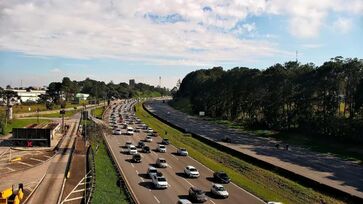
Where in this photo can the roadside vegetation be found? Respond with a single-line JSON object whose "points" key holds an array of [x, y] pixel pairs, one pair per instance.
{"points": [[97, 112], [68, 113], [18, 123], [263, 183], [304, 104], [107, 188]]}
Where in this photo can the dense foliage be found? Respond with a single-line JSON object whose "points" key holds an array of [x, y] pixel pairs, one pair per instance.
{"points": [[99, 90], [325, 100]]}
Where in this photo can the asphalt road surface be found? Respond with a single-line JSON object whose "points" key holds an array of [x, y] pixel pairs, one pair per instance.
{"points": [[141, 184], [341, 174]]}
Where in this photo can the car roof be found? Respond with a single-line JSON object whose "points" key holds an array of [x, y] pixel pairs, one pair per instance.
{"points": [[218, 185], [190, 166], [152, 168]]}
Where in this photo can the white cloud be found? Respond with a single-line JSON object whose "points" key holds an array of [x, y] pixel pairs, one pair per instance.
{"points": [[343, 25], [56, 71], [313, 45], [119, 29]]}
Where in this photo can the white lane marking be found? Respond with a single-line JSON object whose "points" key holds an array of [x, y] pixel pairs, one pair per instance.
{"points": [[157, 200], [137, 171], [132, 165], [26, 164], [169, 185], [142, 179], [35, 159], [155, 153], [174, 157], [188, 182], [170, 166], [46, 156], [10, 169], [212, 201]]}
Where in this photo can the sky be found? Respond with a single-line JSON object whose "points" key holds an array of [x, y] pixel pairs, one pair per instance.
{"points": [[116, 40]]}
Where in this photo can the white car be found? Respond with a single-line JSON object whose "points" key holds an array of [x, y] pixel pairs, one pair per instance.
{"points": [[149, 130], [191, 171], [161, 148], [161, 163], [159, 181], [130, 130], [148, 139], [117, 132], [132, 149], [182, 152], [128, 144], [152, 171], [219, 190]]}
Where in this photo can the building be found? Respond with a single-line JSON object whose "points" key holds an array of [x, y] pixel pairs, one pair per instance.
{"points": [[82, 96], [132, 82], [27, 95]]}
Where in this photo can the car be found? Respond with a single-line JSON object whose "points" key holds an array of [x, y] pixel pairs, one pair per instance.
{"points": [[161, 163], [219, 190], [221, 177], [197, 195], [148, 139], [137, 130], [182, 152], [141, 144], [116, 132], [159, 181], [132, 149], [191, 172], [146, 149], [130, 131], [161, 148], [151, 171], [149, 130], [165, 141], [127, 144], [184, 201], [136, 158], [226, 139]]}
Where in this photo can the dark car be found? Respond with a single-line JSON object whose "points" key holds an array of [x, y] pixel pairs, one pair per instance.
{"points": [[141, 144], [165, 141], [136, 158], [197, 195], [221, 177], [226, 139], [146, 149]]}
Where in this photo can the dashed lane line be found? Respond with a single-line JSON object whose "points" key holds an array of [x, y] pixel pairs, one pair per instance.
{"points": [[212, 201], [188, 182], [174, 157], [132, 165], [26, 164], [10, 168], [157, 200], [35, 159]]}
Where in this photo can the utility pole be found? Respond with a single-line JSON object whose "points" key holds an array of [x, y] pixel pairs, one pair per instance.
{"points": [[296, 56]]}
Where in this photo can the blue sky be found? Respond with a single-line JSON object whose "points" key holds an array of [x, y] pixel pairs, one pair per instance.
{"points": [[43, 41]]}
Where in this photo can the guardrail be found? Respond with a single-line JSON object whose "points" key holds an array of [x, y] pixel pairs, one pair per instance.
{"points": [[265, 165]]}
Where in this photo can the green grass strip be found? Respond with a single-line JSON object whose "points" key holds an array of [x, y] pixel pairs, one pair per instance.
{"points": [[263, 183], [19, 123], [106, 190]]}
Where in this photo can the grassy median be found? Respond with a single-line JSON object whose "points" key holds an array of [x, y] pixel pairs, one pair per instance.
{"points": [[19, 123], [97, 112], [106, 190], [263, 183]]}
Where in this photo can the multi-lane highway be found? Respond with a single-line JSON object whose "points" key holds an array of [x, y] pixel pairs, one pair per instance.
{"points": [[141, 185], [344, 175]]}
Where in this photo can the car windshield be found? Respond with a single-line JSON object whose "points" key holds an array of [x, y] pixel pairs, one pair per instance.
{"points": [[219, 188], [183, 150], [162, 161], [162, 146], [223, 175], [192, 169], [198, 191], [161, 179], [153, 171], [132, 148], [137, 156]]}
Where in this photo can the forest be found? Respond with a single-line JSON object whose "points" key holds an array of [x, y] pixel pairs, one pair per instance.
{"points": [[324, 100]]}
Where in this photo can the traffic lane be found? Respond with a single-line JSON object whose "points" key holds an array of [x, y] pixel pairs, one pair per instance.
{"points": [[205, 180], [168, 195], [130, 173]]}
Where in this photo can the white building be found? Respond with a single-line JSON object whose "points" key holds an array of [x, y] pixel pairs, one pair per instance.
{"points": [[27, 95], [82, 96]]}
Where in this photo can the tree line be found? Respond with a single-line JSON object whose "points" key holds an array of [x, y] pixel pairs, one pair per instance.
{"points": [[98, 90], [318, 100]]}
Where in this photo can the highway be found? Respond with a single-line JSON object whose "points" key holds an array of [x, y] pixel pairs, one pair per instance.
{"points": [[344, 175], [142, 187]]}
